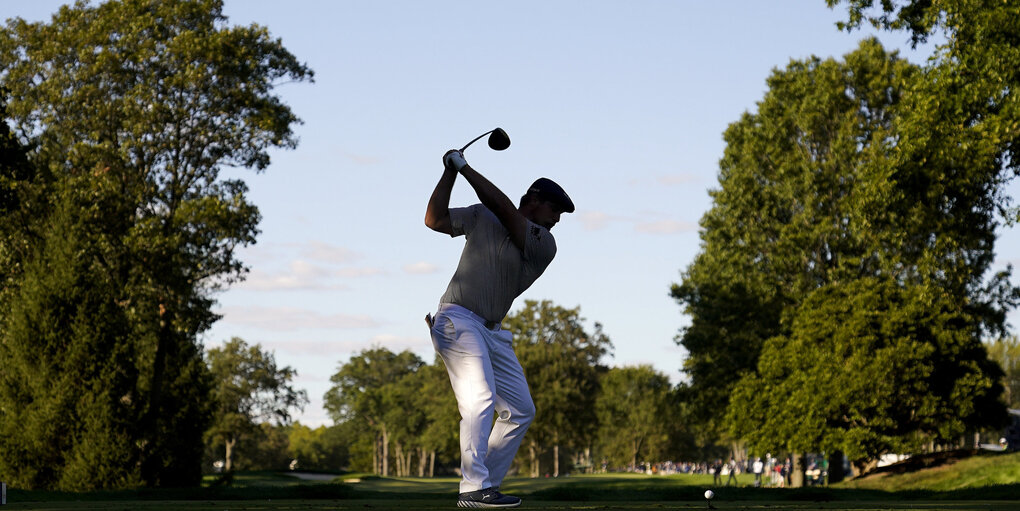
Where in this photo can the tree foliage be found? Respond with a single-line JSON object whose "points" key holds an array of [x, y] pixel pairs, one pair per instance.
{"points": [[322, 448], [562, 362], [827, 187], [248, 390], [801, 202], [1005, 351], [138, 103], [367, 390], [868, 364], [635, 415], [69, 383]]}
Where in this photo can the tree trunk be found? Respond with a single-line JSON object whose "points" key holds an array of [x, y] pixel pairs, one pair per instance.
{"points": [[399, 458], [385, 452], [228, 457], [556, 460], [423, 460], [432, 464], [533, 454], [864, 466], [150, 424], [376, 466], [797, 472]]}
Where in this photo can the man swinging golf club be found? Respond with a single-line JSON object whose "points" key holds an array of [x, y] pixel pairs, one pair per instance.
{"points": [[506, 249]]}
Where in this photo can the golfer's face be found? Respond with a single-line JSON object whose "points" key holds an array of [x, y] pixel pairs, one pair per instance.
{"points": [[547, 214]]}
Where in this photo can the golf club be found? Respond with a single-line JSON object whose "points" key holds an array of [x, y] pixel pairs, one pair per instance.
{"points": [[498, 140]]}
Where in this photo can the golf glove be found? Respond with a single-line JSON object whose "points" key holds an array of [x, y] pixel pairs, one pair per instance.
{"points": [[455, 160]]}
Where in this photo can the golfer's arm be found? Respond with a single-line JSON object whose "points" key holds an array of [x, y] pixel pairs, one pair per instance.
{"points": [[500, 205], [437, 214]]}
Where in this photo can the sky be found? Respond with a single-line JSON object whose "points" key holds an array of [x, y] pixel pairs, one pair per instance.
{"points": [[623, 103]]}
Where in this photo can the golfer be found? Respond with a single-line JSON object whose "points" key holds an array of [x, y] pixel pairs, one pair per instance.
{"points": [[506, 248]]}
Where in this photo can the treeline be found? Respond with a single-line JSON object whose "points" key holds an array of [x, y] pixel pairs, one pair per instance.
{"points": [[405, 419], [395, 415]]}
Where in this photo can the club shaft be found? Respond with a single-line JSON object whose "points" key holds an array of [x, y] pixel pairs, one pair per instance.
{"points": [[475, 140]]}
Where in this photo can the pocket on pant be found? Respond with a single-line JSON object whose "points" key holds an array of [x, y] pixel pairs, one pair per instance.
{"points": [[443, 331]]}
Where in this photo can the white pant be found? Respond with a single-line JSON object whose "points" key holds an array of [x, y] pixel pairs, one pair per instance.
{"points": [[487, 380]]}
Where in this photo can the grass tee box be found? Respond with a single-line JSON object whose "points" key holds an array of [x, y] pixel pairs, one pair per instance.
{"points": [[985, 483]]}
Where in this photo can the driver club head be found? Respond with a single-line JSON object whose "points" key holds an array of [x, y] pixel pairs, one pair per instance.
{"points": [[499, 140]]}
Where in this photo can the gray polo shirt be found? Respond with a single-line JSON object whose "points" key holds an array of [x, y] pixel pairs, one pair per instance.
{"points": [[492, 270]]}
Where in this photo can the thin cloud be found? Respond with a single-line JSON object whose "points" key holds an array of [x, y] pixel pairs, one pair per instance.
{"points": [[665, 227], [677, 179], [301, 276], [420, 268], [348, 273], [594, 220], [597, 221], [397, 344], [326, 253], [282, 319]]}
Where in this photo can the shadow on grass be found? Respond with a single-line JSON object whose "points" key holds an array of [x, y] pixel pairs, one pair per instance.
{"points": [[585, 492], [573, 489]]}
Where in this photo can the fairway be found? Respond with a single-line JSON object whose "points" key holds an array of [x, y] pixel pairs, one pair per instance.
{"points": [[281, 491], [410, 505]]}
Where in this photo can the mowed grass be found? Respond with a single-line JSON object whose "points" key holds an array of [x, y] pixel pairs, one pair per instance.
{"points": [[953, 473], [980, 483]]}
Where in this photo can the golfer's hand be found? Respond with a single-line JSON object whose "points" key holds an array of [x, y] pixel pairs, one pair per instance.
{"points": [[454, 159]]}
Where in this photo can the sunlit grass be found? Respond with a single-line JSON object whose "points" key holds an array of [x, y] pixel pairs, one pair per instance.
{"points": [[985, 482], [976, 471]]}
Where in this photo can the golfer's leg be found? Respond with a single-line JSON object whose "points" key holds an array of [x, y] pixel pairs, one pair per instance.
{"points": [[514, 407], [464, 352]]}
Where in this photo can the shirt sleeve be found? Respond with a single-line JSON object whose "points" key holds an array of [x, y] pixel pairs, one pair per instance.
{"points": [[463, 220], [539, 244]]}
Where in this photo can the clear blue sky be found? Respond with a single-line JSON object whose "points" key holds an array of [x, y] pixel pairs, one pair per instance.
{"points": [[621, 102]]}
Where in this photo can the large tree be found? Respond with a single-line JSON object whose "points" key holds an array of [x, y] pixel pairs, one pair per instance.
{"points": [[801, 202], [562, 362], [145, 101], [67, 378], [825, 185], [249, 389]]}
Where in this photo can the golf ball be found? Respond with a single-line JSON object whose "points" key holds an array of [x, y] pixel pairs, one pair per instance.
{"points": [[709, 494]]}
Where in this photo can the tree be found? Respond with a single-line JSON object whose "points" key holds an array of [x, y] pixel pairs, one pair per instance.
{"points": [[829, 186], [152, 98], [1005, 351], [248, 390], [67, 381], [360, 392], [634, 415], [803, 200], [965, 100], [562, 362], [868, 364]]}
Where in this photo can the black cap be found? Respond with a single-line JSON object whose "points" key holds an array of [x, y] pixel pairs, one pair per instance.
{"points": [[547, 189]]}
